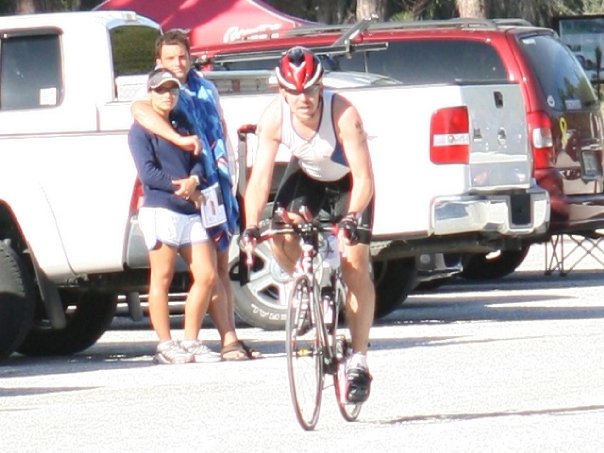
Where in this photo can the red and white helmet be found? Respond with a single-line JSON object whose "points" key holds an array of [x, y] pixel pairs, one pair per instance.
{"points": [[299, 69]]}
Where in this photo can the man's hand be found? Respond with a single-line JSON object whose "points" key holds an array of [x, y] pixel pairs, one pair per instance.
{"points": [[249, 236], [247, 242], [189, 143], [348, 228], [186, 187], [197, 198]]}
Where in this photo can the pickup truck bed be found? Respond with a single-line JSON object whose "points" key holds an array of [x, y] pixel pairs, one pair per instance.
{"points": [[475, 202]]}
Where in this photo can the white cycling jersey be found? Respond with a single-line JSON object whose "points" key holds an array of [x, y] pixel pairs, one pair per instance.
{"points": [[322, 156]]}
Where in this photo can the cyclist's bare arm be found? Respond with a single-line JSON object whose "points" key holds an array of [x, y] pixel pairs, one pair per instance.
{"points": [[259, 184], [352, 136], [143, 113]]}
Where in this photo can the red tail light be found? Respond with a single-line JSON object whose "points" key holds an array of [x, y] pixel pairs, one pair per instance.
{"points": [[542, 143], [450, 136], [137, 197]]}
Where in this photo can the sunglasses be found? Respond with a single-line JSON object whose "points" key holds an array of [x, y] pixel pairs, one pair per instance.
{"points": [[163, 90], [310, 91]]}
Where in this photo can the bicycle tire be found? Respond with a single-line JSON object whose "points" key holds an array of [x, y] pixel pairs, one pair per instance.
{"points": [[350, 411], [304, 353]]}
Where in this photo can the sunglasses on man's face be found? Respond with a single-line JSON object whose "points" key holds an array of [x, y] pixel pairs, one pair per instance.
{"points": [[310, 91], [163, 90]]}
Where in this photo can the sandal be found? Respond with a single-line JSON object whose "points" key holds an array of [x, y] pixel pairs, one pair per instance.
{"points": [[250, 352], [234, 352]]}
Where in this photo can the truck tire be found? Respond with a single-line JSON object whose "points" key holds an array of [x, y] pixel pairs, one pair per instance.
{"points": [[88, 317], [393, 281], [491, 266], [257, 303], [17, 301]]}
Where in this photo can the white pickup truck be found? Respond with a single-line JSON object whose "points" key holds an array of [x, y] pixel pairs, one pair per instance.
{"points": [[452, 167], [452, 173]]}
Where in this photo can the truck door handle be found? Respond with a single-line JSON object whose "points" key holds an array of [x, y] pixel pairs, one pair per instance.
{"points": [[501, 136], [498, 97]]}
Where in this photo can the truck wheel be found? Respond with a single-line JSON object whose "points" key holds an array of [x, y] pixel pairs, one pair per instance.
{"points": [[393, 281], [88, 317], [257, 303], [17, 301], [493, 265], [431, 285]]}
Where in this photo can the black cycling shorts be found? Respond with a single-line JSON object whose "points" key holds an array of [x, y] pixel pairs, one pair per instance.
{"points": [[325, 199]]}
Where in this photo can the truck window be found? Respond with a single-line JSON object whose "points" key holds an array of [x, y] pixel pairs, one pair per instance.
{"points": [[133, 53], [431, 61], [30, 72], [555, 66], [133, 49]]}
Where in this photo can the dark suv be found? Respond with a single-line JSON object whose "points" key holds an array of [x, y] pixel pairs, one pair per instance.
{"points": [[563, 112]]}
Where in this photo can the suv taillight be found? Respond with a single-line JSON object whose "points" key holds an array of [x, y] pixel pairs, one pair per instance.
{"points": [[137, 197], [540, 133], [449, 136]]}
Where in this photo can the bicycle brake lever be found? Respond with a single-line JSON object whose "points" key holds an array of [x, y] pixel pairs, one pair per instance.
{"points": [[305, 213], [249, 255]]}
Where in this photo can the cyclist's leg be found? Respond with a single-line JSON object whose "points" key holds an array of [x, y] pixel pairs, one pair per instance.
{"points": [[360, 304], [359, 311], [360, 307]]}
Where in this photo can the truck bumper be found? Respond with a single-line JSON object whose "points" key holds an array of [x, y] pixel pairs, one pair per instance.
{"points": [[517, 214]]}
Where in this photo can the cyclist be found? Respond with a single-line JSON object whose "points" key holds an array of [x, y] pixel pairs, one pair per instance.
{"points": [[325, 135]]}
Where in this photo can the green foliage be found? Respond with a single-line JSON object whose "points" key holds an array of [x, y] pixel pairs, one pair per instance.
{"points": [[592, 7], [334, 11], [6, 7], [539, 12]]}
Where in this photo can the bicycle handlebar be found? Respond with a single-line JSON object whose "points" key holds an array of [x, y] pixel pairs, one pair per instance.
{"points": [[307, 228]]}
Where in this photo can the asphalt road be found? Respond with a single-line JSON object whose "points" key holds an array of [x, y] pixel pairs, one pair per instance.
{"points": [[514, 365]]}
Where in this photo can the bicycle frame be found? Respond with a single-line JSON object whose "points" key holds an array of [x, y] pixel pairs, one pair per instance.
{"points": [[313, 342]]}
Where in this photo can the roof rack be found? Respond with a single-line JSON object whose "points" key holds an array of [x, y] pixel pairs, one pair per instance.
{"points": [[353, 31], [371, 24], [331, 50], [343, 44], [513, 21]]}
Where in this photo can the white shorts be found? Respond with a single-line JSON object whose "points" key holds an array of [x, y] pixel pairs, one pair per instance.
{"points": [[171, 228]]}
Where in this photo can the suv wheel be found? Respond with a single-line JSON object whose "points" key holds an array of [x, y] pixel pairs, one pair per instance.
{"points": [[493, 265]]}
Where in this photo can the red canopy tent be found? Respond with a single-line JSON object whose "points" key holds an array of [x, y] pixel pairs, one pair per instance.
{"points": [[212, 21]]}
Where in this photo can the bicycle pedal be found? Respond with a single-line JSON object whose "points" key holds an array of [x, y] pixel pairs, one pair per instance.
{"points": [[341, 347]]}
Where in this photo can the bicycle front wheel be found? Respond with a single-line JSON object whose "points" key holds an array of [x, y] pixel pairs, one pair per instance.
{"points": [[304, 354]]}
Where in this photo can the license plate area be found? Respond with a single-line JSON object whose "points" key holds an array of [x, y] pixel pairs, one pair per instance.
{"points": [[521, 209], [591, 167]]}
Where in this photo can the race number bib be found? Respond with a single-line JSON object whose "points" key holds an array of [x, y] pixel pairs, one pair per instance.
{"points": [[212, 210]]}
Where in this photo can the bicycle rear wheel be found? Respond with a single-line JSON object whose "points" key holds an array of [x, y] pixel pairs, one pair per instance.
{"points": [[304, 354], [350, 411]]}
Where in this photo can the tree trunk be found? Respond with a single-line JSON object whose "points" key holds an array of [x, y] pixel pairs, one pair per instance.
{"points": [[472, 8], [25, 7], [331, 12], [365, 8], [419, 7]]}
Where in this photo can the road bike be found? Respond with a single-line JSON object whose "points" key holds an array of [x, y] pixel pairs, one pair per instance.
{"points": [[316, 298]]}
